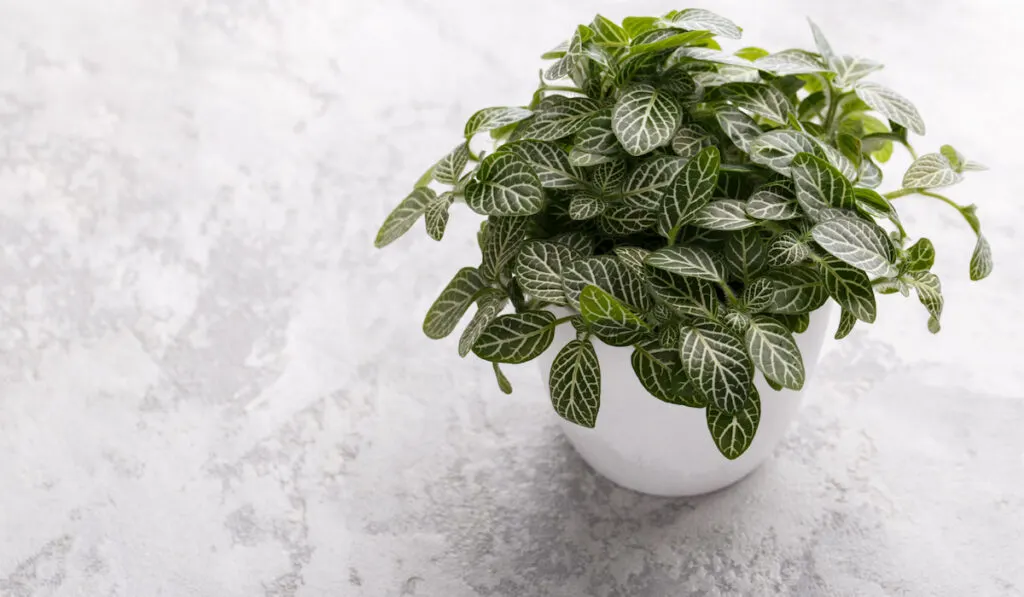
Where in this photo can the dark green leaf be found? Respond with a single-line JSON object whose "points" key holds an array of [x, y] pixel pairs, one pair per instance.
{"points": [[788, 249], [539, 269], [645, 118], [647, 182], [740, 128], [609, 274], [723, 214], [401, 219], [850, 287], [758, 295], [717, 364], [502, 239], [451, 305], [633, 258], [746, 254], [516, 337], [585, 206], [690, 261], [549, 161], [734, 432], [488, 307], [929, 292], [686, 295], [689, 192], [861, 244], [774, 201], [846, 323], [981, 259], [575, 383], [689, 140], [581, 242], [562, 119], [596, 135], [660, 372], [607, 178], [435, 216], [819, 186], [776, 149], [609, 319], [449, 169], [796, 289], [920, 256], [774, 352], [505, 185]]}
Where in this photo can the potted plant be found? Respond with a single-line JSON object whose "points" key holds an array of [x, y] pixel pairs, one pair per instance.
{"points": [[666, 228]]}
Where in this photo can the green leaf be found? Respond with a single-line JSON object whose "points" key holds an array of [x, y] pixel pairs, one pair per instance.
{"points": [[574, 54], [608, 33], [435, 216], [774, 201], [869, 175], [717, 364], [875, 205], [623, 218], [648, 181], [837, 160], [758, 295], [505, 185], [502, 239], [752, 53], [920, 256], [890, 104], [666, 39], [981, 259], [689, 140], [819, 186], [698, 54], [746, 254], [678, 82], [634, 26], [539, 269], [585, 206], [861, 244], [488, 307], [609, 274], [581, 242], [846, 323], [822, 44], [596, 135], [503, 384], [849, 287], [850, 69], [795, 322], [761, 99], [494, 118], [734, 432], [516, 337], [788, 249], [705, 20], [685, 295], [774, 352], [690, 261], [401, 219], [562, 119], [609, 319], [645, 118], [583, 159], [791, 62], [690, 192], [549, 161], [795, 290], [556, 52], [633, 258], [449, 168], [723, 214], [575, 383], [451, 305], [738, 321], [660, 373], [929, 292], [740, 128], [776, 149], [607, 178], [932, 170]]}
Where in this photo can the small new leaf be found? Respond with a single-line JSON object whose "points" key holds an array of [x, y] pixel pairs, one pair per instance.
{"points": [[435, 216], [920, 256], [932, 170], [981, 259]]}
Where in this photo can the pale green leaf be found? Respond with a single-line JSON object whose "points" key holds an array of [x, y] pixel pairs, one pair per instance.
{"points": [[503, 384], [723, 214], [869, 175], [505, 185], [890, 104], [920, 256], [759, 98], [822, 44], [791, 62], [698, 54], [981, 259], [609, 274], [583, 159], [839, 161], [740, 128], [774, 352], [932, 170], [516, 337], [690, 261], [451, 305], [751, 53], [634, 26], [929, 292], [549, 161], [401, 219], [861, 244], [717, 364], [645, 118], [575, 383], [788, 249], [609, 318], [850, 69], [689, 140], [608, 33], [850, 287], [666, 39], [689, 192], [795, 290], [449, 168], [435, 216], [585, 206], [539, 269], [488, 307], [776, 149], [738, 321], [746, 254], [494, 118], [734, 432], [705, 20]]}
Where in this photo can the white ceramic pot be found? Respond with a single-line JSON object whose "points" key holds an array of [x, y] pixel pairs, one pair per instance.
{"points": [[653, 447]]}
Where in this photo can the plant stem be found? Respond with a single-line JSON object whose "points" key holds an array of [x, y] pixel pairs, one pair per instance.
{"points": [[561, 88], [833, 106], [562, 320], [901, 193], [944, 199], [733, 299]]}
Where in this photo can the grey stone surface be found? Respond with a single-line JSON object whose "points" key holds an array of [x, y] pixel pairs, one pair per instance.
{"points": [[212, 386]]}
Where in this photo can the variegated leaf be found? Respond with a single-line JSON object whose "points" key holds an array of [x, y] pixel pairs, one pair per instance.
{"points": [[494, 118], [575, 383], [549, 161], [746, 254], [505, 185], [699, 54], [795, 290], [539, 269], [401, 219], [609, 33], [839, 161], [846, 323], [516, 337], [788, 249], [717, 364], [920, 256], [689, 140], [705, 20], [822, 44], [666, 39], [932, 170], [819, 186], [929, 292], [774, 201], [890, 104], [660, 373], [574, 54], [776, 149], [850, 287], [683, 294], [578, 241], [435, 216], [689, 192], [723, 214], [449, 168], [583, 159], [608, 178], [869, 175], [850, 69], [609, 319], [774, 352], [585, 206], [863, 245], [981, 259], [734, 432], [740, 128], [791, 62], [451, 305], [633, 258], [648, 181], [757, 296], [501, 241], [609, 274], [596, 135], [645, 118], [560, 120], [691, 261], [626, 217], [503, 384], [488, 307], [759, 98]]}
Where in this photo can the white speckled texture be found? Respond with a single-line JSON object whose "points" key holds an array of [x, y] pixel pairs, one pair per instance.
{"points": [[211, 385]]}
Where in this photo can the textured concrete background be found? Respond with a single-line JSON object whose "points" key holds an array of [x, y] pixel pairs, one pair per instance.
{"points": [[211, 385]]}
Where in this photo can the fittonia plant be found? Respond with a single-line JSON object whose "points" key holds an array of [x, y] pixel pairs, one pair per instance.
{"points": [[693, 204]]}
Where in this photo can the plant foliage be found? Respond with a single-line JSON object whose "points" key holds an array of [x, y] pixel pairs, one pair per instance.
{"points": [[693, 204]]}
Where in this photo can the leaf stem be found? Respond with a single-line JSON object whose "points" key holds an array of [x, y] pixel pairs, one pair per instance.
{"points": [[733, 299], [561, 320], [901, 193], [943, 198], [561, 88]]}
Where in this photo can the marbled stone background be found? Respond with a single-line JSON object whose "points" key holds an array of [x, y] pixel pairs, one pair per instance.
{"points": [[212, 386]]}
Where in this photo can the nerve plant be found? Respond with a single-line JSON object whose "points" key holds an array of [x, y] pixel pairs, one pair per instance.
{"points": [[692, 204]]}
